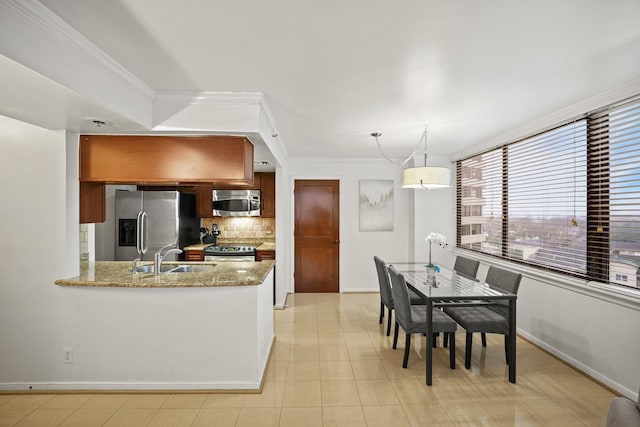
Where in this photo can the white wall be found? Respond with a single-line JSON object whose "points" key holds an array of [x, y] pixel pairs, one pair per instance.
{"points": [[32, 250], [357, 248]]}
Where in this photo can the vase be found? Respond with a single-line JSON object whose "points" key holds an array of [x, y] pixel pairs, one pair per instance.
{"points": [[432, 276]]}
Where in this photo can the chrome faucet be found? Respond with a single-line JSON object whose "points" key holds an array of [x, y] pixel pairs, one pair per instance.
{"points": [[134, 267], [158, 257]]}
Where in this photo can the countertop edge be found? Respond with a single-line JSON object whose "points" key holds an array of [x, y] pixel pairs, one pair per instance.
{"points": [[91, 277]]}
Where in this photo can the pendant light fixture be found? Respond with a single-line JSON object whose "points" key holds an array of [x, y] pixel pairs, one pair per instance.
{"points": [[424, 177]]}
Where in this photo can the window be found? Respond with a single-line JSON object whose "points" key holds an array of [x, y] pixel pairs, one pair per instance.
{"points": [[566, 199]]}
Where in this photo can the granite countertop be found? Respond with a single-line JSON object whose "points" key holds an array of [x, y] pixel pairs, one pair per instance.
{"points": [[267, 246], [118, 274], [197, 247]]}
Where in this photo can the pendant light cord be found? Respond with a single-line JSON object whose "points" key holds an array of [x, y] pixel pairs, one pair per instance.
{"points": [[415, 150]]}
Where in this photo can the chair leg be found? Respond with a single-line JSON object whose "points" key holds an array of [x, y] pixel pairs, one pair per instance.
{"points": [[452, 349], [389, 323], [484, 339], [395, 336], [506, 348], [445, 340], [435, 340], [407, 346], [381, 312], [467, 351]]}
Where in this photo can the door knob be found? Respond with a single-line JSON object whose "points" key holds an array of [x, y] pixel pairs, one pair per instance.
{"points": [[335, 242]]}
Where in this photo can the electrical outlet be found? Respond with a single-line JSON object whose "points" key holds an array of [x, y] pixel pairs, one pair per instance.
{"points": [[68, 354]]}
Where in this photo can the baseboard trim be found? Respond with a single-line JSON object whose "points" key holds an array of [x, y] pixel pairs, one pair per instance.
{"points": [[360, 291], [116, 387], [579, 366]]}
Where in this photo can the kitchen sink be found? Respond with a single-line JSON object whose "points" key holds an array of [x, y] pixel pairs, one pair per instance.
{"points": [[168, 268], [191, 268], [144, 269]]}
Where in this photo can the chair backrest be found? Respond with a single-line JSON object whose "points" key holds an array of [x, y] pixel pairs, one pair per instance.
{"points": [[383, 281], [466, 266], [504, 280], [400, 298]]}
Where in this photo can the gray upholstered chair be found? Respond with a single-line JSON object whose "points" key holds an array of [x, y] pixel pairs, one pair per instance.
{"points": [[492, 319], [413, 319], [386, 298], [466, 266], [624, 412]]}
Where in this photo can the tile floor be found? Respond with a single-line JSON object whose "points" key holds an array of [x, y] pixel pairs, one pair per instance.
{"points": [[333, 365]]}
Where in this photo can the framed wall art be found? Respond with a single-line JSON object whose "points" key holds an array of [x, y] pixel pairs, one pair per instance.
{"points": [[376, 204]]}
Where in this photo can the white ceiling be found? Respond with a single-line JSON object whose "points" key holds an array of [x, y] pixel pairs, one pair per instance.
{"points": [[335, 71]]}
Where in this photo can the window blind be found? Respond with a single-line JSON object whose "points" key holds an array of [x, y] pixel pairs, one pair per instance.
{"points": [[480, 203], [566, 199], [614, 195], [547, 199]]}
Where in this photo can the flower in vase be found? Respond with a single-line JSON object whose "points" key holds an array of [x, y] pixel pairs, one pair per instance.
{"points": [[439, 239]]}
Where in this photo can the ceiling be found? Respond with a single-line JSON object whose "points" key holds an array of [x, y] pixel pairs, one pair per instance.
{"points": [[333, 71]]}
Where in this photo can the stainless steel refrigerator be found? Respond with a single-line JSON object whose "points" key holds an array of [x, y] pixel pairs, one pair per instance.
{"points": [[149, 220]]}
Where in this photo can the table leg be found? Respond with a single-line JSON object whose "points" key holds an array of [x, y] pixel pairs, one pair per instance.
{"points": [[429, 347], [512, 340]]}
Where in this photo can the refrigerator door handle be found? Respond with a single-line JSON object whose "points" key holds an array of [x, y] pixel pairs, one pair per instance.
{"points": [[138, 233], [143, 233]]}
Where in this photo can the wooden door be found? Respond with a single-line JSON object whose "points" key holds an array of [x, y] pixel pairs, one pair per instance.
{"points": [[317, 236]]}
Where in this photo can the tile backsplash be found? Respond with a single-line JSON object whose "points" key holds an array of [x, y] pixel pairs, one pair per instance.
{"points": [[243, 227], [84, 243]]}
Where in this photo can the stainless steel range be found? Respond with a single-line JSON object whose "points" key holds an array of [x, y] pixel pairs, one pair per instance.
{"points": [[229, 253]]}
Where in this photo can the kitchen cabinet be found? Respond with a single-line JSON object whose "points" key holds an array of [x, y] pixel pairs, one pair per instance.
{"points": [[204, 196], [92, 202], [268, 194], [241, 186], [145, 159], [265, 255], [194, 255]]}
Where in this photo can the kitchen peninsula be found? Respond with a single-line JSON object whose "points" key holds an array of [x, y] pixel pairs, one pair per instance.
{"points": [[208, 274], [211, 329]]}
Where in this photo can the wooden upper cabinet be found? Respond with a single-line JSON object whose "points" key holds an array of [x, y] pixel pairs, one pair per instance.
{"points": [[268, 195], [92, 202], [241, 186], [141, 159], [204, 197]]}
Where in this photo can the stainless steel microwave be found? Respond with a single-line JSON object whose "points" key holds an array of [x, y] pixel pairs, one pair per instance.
{"points": [[236, 202]]}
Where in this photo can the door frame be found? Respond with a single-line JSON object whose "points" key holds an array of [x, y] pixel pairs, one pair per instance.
{"points": [[292, 213]]}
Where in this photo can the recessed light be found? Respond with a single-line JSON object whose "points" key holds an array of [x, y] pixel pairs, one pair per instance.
{"points": [[98, 122]]}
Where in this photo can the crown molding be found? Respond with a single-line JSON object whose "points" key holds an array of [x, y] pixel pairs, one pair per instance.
{"points": [[42, 18], [213, 98]]}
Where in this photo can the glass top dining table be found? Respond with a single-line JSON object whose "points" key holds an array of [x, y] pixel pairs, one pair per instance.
{"points": [[455, 290]]}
